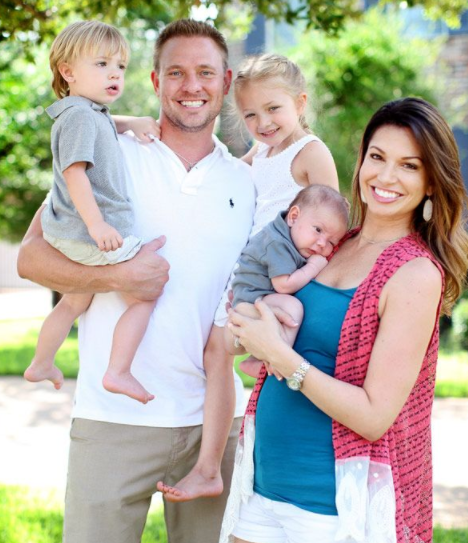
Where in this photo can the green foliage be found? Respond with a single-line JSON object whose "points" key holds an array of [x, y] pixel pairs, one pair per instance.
{"points": [[25, 167], [460, 323], [448, 10], [352, 75], [32, 21]]}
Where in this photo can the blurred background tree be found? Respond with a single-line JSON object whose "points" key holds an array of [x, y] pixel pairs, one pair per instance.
{"points": [[351, 67], [351, 75]]}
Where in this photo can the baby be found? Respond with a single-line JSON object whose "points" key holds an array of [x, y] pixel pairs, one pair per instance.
{"points": [[286, 255]]}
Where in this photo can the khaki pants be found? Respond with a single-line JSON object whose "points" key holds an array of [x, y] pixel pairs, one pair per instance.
{"points": [[112, 474]]}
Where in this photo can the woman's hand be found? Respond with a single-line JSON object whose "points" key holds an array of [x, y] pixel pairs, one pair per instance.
{"points": [[262, 337]]}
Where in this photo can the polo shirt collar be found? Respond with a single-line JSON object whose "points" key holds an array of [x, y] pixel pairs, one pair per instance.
{"points": [[58, 107], [222, 148], [281, 226]]}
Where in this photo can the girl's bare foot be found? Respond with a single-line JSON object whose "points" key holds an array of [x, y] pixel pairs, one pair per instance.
{"points": [[125, 383], [39, 372], [194, 485], [251, 366]]}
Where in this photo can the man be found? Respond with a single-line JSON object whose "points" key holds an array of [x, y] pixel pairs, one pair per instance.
{"points": [[188, 188]]}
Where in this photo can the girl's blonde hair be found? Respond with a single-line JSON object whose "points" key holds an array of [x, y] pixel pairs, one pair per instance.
{"points": [[445, 233], [82, 38], [279, 70]]}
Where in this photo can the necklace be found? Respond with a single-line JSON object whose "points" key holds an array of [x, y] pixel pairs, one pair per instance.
{"points": [[376, 241], [191, 165]]}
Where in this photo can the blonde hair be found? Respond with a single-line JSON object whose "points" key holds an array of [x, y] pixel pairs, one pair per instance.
{"points": [[277, 69], [189, 28], [77, 39], [445, 233]]}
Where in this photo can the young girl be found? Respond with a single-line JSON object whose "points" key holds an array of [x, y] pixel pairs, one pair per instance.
{"points": [[89, 216], [270, 95]]}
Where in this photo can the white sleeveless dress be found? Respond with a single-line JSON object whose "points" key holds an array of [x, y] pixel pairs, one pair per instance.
{"points": [[274, 182], [275, 188]]}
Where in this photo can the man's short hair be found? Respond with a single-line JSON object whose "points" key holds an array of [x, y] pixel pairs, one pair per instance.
{"points": [[188, 28]]}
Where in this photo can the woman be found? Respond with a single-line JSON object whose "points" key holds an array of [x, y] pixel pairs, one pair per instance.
{"points": [[342, 446]]}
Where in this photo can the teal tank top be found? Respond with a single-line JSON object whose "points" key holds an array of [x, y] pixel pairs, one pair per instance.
{"points": [[294, 460]]}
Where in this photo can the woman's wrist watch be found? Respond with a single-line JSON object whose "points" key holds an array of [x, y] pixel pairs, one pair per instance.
{"points": [[295, 381]]}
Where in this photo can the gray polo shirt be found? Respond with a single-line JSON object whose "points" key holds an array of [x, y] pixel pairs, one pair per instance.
{"points": [[84, 131], [268, 254]]}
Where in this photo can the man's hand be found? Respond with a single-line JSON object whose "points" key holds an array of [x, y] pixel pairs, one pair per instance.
{"points": [[107, 238], [145, 275]]}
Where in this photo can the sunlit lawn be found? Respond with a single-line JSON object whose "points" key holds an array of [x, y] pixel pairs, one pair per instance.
{"points": [[31, 516], [18, 340]]}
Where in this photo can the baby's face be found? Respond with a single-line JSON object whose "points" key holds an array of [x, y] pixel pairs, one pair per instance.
{"points": [[315, 230]]}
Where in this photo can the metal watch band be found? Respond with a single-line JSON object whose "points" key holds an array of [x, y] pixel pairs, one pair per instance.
{"points": [[301, 371], [295, 381]]}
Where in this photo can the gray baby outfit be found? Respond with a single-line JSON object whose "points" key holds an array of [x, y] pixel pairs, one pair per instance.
{"points": [[84, 131], [268, 254]]}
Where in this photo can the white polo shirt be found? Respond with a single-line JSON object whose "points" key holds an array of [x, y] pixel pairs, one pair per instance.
{"points": [[206, 215]]}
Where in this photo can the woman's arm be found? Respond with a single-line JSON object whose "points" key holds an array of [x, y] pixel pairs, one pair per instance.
{"points": [[144, 276], [408, 312]]}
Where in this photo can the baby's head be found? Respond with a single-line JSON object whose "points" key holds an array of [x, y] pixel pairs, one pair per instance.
{"points": [[83, 40], [266, 85], [317, 219]]}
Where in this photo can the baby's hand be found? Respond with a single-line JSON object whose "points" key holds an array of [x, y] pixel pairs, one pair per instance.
{"points": [[106, 236], [318, 261], [146, 129]]}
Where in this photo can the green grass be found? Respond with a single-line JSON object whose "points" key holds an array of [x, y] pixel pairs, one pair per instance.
{"points": [[32, 516], [18, 341], [452, 375], [28, 516]]}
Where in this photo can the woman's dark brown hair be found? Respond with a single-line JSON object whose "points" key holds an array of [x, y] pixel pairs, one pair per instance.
{"points": [[445, 234]]}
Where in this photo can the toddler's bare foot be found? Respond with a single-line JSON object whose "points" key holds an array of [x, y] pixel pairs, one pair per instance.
{"points": [[251, 366], [39, 372], [194, 485], [125, 383]]}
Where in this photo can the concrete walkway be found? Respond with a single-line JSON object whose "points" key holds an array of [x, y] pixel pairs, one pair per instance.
{"points": [[34, 423]]}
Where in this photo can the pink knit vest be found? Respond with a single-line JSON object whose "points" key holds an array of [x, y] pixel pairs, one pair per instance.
{"points": [[406, 446]]}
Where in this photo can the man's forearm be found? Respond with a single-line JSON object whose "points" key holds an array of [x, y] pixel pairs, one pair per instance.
{"points": [[144, 276]]}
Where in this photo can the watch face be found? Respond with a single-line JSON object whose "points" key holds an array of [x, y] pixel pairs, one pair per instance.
{"points": [[293, 383]]}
